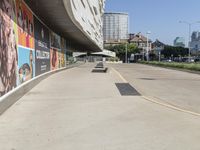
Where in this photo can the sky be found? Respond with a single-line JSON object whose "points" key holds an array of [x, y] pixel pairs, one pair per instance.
{"points": [[161, 17]]}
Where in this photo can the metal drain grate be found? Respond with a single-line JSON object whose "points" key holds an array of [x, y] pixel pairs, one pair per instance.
{"points": [[147, 78], [126, 89]]}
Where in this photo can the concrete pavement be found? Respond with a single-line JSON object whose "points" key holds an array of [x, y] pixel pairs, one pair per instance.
{"points": [[79, 110], [173, 87]]}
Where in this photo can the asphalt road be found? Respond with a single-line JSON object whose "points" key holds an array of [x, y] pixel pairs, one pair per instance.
{"points": [[79, 110], [178, 88]]}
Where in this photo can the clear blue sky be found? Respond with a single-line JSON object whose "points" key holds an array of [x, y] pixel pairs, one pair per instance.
{"points": [[161, 17]]}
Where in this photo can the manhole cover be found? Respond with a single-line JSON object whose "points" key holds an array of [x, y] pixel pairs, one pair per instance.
{"points": [[126, 89]]}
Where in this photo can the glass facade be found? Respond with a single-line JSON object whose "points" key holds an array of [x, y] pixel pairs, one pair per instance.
{"points": [[115, 26]]}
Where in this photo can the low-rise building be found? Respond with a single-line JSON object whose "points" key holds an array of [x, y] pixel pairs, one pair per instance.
{"points": [[158, 46], [140, 41]]}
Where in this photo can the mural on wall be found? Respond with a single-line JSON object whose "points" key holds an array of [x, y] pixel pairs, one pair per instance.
{"points": [[26, 65], [59, 59], [8, 46], [25, 25], [26, 51], [63, 52], [42, 48], [54, 59], [55, 41], [55, 51]]}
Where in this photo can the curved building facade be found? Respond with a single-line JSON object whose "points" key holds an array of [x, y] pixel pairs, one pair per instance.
{"points": [[35, 36], [87, 15], [78, 20]]}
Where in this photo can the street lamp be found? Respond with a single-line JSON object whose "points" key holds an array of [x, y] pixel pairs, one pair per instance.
{"points": [[189, 41], [126, 52], [126, 61], [148, 33]]}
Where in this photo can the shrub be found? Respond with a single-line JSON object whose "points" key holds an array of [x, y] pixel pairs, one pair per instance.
{"points": [[187, 66]]}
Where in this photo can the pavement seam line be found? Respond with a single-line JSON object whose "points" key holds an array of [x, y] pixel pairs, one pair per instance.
{"points": [[157, 102]]}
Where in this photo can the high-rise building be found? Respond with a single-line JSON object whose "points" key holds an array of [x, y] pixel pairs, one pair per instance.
{"points": [[115, 27], [179, 42], [195, 42]]}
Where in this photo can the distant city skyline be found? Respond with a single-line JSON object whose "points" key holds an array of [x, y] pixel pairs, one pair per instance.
{"points": [[161, 17]]}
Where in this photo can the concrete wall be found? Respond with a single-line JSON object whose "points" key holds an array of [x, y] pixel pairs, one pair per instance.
{"points": [[13, 96], [28, 48]]}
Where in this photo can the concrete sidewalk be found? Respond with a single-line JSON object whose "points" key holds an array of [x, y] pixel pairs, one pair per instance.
{"points": [[79, 110]]}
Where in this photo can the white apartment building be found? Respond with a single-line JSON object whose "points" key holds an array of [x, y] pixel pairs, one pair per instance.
{"points": [[115, 27]]}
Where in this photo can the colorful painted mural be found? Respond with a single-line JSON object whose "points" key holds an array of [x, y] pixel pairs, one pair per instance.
{"points": [[55, 41], [8, 46], [25, 25], [63, 52], [42, 47], [26, 63], [28, 48], [54, 59], [26, 45]]}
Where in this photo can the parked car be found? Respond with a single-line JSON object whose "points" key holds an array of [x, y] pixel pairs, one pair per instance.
{"points": [[191, 60], [197, 59], [166, 60]]}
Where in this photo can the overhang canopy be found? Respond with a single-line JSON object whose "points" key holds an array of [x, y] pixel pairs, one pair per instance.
{"points": [[57, 18]]}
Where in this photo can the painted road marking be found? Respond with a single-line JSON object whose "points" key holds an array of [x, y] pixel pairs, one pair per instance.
{"points": [[121, 77], [177, 108]]}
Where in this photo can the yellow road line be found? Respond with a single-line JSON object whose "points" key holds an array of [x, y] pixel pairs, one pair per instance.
{"points": [[157, 102], [121, 77], [171, 106]]}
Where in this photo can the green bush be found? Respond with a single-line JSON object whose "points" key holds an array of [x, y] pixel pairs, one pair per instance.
{"points": [[187, 66]]}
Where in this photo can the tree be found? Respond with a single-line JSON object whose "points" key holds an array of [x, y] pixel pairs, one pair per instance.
{"points": [[133, 49], [170, 51], [120, 50]]}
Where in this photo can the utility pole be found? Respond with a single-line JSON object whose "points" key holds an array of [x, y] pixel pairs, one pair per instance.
{"points": [[189, 40], [148, 33], [126, 61]]}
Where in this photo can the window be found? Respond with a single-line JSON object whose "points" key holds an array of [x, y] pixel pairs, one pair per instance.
{"points": [[83, 19], [83, 3], [88, 32], [73, 4], [95, 10]]}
